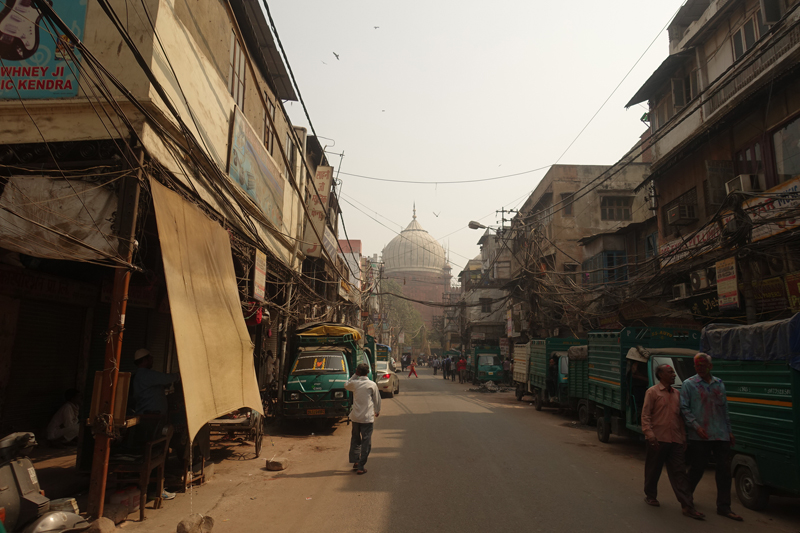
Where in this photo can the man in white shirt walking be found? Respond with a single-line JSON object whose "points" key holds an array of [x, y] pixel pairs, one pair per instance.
{"points": [[366, 408]]}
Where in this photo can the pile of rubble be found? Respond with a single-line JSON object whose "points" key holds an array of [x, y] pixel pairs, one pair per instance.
{"points": [[489, 386]]}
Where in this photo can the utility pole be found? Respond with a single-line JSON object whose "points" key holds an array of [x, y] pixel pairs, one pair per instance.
{"points": [[103, 425], [503, 211]]}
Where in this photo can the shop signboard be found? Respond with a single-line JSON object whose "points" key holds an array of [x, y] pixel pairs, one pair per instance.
{"points": [[793, 290], [260, 276], [329, 242], [503, 347], [727, 286], [610, 321], [478, 336], [252, 169], [38, 60], [769, 294], [317, 207], [769, 212]]}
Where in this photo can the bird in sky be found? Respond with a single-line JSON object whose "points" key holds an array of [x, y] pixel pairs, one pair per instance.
{"points": [[324, 63], [376, 27], [337, 56], [436, 214]]}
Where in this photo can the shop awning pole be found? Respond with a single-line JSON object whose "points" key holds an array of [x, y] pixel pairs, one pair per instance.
{"points": [[103, 425]]}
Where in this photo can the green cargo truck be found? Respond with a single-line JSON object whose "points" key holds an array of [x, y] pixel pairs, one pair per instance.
{"points": [[325, 355], [622, 367], [485, 365], [578, 383], [549, 371], [760, 366]]}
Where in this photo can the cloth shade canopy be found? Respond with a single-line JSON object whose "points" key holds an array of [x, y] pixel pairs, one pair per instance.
{"points": [[58, 218], [214, 349]]}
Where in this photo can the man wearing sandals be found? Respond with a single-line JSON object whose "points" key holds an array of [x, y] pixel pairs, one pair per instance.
{"points": [[366, 407], [666, 442], [704, 405]]}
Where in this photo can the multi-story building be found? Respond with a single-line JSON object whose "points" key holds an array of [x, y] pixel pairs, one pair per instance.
{"points": [[483, 296], [148, 162], [725, 121], [568, 245]]}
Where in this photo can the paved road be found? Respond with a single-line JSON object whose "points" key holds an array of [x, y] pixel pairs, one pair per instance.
{"points": [[445, 459]]}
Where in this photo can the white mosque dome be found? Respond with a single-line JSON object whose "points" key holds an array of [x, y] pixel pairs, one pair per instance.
{"points": [[414, 250]]}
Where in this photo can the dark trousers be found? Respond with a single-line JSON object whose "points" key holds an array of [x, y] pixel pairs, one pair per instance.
{"points": [[670, 454], [698, 454], [360, 443]]}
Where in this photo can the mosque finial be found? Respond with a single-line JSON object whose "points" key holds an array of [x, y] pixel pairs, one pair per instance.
{"points": [[415, 210]]}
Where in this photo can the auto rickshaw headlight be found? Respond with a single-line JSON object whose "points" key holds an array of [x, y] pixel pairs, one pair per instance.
{"points": [[338, 394], [294, 396]]}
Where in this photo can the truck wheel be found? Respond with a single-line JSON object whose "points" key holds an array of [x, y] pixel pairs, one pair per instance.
{"points": [[520, 392], [603, 429], [751, 494], [537, 400], [583, 414]]}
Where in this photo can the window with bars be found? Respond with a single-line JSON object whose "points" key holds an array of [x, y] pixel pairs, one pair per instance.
{"points": [[236, 72], [290, 154], [269, 133], [615, 208], [605, 267]]}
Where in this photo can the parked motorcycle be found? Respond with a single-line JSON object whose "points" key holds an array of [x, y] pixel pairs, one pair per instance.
{"points": [[23, 506]]}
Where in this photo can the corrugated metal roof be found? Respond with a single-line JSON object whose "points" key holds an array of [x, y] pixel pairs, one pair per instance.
{"points": [[260, 42], [661, 74]]}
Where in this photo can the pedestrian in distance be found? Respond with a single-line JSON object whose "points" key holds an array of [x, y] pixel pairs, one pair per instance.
{"points": [[366, 408], [453, 369], [462, 370], [436, 364], [507, 371], [704, 406], [664, 430], [446, 367], [412, 369]]}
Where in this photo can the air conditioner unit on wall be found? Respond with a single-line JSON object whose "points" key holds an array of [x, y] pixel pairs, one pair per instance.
{"points": [[681, 215], [703, 279], [681, 290], [745, 183]]}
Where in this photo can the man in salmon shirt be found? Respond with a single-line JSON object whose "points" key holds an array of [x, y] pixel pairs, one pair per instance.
{"points": [[663, 427]]}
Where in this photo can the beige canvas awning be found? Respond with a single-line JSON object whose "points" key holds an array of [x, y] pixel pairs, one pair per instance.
{"points": [[214, 349]]}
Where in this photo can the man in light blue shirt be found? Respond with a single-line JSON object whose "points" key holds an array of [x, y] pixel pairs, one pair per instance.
{"points": [[149, 386], [704, 406]]}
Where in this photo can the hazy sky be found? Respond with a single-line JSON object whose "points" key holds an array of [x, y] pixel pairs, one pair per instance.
{"points": [[458, 90]]}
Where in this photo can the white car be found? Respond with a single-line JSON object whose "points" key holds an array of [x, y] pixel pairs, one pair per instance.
{"points": [[387, 381]]}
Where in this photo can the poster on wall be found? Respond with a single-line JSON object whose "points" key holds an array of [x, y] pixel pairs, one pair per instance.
{"points": [[727, 286], [36, 58], [251, 168], [793, 290], [260, 276], [318, 206]]}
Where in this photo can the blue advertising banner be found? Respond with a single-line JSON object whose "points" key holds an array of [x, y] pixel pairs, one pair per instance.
{"points": [[35, 58], [248, 167]]}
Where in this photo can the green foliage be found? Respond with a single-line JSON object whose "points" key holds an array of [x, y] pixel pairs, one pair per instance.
{"points": [[401, 314]]}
